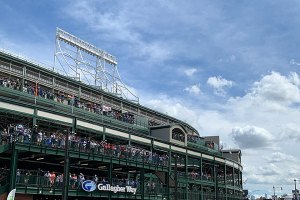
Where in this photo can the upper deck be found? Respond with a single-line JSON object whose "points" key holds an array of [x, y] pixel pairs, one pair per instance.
{"points": [[65, 95], [35, 73]]}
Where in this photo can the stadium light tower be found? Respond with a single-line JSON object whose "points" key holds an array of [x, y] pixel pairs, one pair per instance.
{"points": [[84, 62]]}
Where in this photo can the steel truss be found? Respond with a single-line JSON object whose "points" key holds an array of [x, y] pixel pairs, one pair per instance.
{"points": [[84, 62]]}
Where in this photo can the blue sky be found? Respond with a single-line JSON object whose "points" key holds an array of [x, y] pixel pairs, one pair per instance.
{"points": [[229, 68]]}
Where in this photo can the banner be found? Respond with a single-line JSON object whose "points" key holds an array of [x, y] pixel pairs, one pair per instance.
{"points": [[106, 108], [11, 195]]}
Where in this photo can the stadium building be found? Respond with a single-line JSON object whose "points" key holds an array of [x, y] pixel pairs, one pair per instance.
{"points": [[63, 137]]}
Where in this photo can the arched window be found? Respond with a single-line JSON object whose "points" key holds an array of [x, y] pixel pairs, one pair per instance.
{"points": [[177, 134]]}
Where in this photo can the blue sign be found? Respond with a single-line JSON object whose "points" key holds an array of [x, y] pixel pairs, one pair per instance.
{"points": [[89, 186]]}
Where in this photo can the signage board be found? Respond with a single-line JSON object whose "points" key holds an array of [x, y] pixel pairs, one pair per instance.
{"points": [[90, 186]]}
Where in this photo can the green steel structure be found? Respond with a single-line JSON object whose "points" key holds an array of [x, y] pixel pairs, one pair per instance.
{"points": [[63, 139]]}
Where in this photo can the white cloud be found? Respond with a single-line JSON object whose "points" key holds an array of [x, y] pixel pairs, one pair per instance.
{"points": [[273, 93], [121, 25], [251, 137], [278, 157], [212, 122], [190, 72], [294, 77], [290, 131], [278, 89], [219, 84], [267, 135], [193, 89]]}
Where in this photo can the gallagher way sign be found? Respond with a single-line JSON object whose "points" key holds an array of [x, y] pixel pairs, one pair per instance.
{"points": [[90, 186]]}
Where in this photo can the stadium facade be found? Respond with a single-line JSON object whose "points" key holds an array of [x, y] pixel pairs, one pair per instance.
{"points": [[63, 139]]}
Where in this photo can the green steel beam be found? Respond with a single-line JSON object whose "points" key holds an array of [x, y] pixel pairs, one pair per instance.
{"points": [[13, 166], [142, 179], [66, 176]]}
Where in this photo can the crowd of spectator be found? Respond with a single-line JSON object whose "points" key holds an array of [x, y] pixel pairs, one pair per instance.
{"points": [[67, 99], [197, 175], [193, 138], [207, 175], [177, 135], [152, 185], [55, 179], [57, 139]]}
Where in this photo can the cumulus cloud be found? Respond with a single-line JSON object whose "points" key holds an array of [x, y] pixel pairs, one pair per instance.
{"points": [[193, 89], [264, 132], [190, 72], [251, 137], [274, 95], [294, 77], [219, 84], [277, 88]]}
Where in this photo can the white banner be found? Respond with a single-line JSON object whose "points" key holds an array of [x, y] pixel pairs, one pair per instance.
{"points": [[106, 108], [11, 195]]}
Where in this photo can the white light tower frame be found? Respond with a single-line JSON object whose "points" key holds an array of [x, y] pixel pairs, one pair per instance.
{"points": [[85, 62]]}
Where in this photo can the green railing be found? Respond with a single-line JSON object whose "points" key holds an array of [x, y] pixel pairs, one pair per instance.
{"points": [[200, 146], [41, 182], [160, 162]]}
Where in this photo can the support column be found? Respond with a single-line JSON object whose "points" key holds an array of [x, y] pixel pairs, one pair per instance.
{"points": [[142, 184], [167, 178], [176, 176], [233, 176], [201, 177], [186, 173], [13, 166], [34, 118], [216, 181], [225, 179], [201, 169], [169, 174], [66, 168], [22, 85], [129, 140], [110, 176]]}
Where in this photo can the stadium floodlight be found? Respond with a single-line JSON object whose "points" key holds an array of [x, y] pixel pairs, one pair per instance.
{"points": [[84, 62], [73, 40]]}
